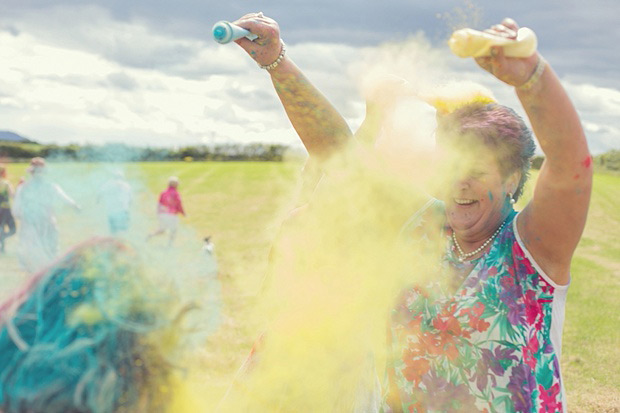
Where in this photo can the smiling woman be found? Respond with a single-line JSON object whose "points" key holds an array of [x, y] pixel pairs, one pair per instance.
{"points": [[489, 150], [485, 335], [492, 293]]}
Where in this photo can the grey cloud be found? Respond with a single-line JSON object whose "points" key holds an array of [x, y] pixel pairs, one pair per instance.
{"points": [[122, 81], [7, 89], [91, 29], [321, 20], [69, 80], [100, 110], [586, 33], [133, 44], [348, 21], [263, 100], [601, 138], [600, 101], [174, 38], [9, 106], [145, 55], [9, 28], [587, 65], [224, 113], [204, 65]]}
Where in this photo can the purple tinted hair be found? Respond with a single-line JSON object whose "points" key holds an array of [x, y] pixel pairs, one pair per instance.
{"points": [[499, 129]]}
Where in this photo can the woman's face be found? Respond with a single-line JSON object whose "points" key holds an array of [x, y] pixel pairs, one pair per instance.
{"points": [[474, 192]]}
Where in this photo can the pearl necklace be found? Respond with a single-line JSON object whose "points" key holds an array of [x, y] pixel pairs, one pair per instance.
{"points": [[463, 255]]}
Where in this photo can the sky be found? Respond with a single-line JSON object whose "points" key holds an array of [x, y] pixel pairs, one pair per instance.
{"points": [[148, 73]]}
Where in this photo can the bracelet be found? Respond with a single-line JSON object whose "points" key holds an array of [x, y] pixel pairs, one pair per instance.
{"points": [[540, 68], [277, 61]]}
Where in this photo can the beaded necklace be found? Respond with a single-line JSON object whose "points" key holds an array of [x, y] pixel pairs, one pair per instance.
{"points": [[462, 255]]}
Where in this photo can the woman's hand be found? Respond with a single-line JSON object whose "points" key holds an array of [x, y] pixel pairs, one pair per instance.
{"points": [[266, 48], [319, 125], [511, 70], [383, 93]]}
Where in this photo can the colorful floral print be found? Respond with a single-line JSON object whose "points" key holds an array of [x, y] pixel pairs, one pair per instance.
{"points": [[485, 346]]}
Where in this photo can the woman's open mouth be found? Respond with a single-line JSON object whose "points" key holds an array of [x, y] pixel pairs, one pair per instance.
{"points": [[462, 201]]}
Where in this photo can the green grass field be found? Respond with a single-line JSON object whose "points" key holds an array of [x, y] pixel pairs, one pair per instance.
{"points": [[242, 205]]}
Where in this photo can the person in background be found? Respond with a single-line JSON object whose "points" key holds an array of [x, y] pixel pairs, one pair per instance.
{"points": [[208, 248], [116, 196], [34, 207], [168, 209], [85, 335], [7, 222]]}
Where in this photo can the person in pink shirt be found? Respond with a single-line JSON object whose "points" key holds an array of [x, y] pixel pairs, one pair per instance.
{"points": [[168, 209]]}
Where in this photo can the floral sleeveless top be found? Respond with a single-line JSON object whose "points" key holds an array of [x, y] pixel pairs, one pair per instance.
{"points": [[491, 345]]}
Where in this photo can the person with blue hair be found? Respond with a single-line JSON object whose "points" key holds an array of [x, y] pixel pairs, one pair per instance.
{"points": [[89, 334]]}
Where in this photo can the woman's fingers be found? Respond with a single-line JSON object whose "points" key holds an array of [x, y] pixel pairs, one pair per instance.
{"points": [[484, 62], [502, 31], [508, 28], [494, 63], [266, 48], [511, 24]]}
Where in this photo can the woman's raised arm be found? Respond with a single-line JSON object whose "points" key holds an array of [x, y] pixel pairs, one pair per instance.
{"points": [[552, 223]]}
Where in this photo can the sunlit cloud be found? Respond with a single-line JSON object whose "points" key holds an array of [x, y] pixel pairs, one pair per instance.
{"points": [[82, 74]]}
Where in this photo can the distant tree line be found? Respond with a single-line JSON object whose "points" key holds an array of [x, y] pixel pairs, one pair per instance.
{"points": [[607, 162], [118, 152]]}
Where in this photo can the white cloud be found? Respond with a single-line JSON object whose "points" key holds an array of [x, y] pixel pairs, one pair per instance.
{"points": [[67, 95], [599, 109], [110, 80], [595, 98]]}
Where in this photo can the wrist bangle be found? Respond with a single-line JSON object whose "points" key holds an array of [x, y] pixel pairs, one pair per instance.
{"points": [[540, 68], [277, 61]]}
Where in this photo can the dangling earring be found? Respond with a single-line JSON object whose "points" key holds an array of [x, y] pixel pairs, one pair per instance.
{"points": [[512, 200]]}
